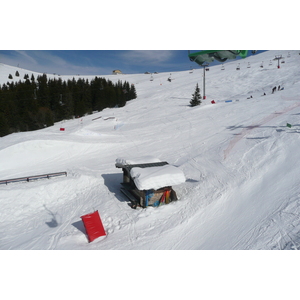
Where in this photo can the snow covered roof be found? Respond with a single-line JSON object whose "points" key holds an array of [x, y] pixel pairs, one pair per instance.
{"points": [[156, 177], [121, 162]]}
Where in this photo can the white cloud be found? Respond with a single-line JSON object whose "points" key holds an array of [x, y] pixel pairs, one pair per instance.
{"points": [[47, 62], [24, 56], [147, 56]]}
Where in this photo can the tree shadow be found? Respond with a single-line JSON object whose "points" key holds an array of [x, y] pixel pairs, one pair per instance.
{"points": [[258, 138], [53, 223], [277, 128], [234, 127], [192, 180], [250, 127]]}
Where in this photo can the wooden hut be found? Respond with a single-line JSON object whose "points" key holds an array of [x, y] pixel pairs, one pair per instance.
{"points": [[147, 181]]}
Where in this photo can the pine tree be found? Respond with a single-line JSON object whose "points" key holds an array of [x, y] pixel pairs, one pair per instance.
{"points": [[33, 104], [196, 100], [10, 76], [4, 129], [17, 73], [133, 94]]}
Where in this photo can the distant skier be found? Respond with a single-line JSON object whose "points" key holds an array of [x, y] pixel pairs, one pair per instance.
{"points": [[274, 89], [279, 88]]}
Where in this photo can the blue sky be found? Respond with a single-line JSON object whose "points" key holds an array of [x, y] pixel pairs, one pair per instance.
{"points": [[98, 62], [90, 26]]}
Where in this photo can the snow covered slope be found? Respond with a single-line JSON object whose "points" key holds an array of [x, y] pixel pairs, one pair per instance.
{"points": [[241, 161]]}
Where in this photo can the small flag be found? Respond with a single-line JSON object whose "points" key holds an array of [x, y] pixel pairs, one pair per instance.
{"points": [[288, 125]]}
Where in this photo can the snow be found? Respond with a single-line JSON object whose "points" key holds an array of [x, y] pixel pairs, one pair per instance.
{"points": [[242, 188], [146, 159], [156, 177], [240, 160]]}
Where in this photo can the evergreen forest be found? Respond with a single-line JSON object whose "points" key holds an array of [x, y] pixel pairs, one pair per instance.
{"points": [[38, 103]]}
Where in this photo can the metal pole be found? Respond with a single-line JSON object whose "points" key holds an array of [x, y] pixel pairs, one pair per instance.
{"points": [[204, 66], [204, 97], [278, 57]]}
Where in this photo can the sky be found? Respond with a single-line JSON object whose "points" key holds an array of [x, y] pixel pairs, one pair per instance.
{"points": [[98, 62], [93, 39]]}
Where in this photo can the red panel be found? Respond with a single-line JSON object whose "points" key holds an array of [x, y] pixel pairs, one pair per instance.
{"points": [[93, 225]]}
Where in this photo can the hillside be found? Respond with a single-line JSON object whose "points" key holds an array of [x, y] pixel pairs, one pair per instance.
{"points": [[240, 159]]}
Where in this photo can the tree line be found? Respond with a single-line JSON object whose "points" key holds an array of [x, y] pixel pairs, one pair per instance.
{"points": [[38, 103]]}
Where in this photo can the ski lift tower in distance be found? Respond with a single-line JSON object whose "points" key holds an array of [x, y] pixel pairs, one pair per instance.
{"points": [[207, 56], [278, 58]]}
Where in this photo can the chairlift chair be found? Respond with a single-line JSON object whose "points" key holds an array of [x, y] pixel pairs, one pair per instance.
{"points": [[238, 67]]}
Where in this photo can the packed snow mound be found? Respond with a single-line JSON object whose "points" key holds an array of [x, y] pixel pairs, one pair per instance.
{"points": [[156, 177]]}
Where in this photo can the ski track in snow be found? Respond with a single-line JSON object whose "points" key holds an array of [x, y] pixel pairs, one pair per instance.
{"points": [[247, 130], [278, 231]]}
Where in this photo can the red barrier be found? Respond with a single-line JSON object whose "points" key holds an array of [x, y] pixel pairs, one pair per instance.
{"points": [[213, 102], [93, 225], [62, 129]]}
